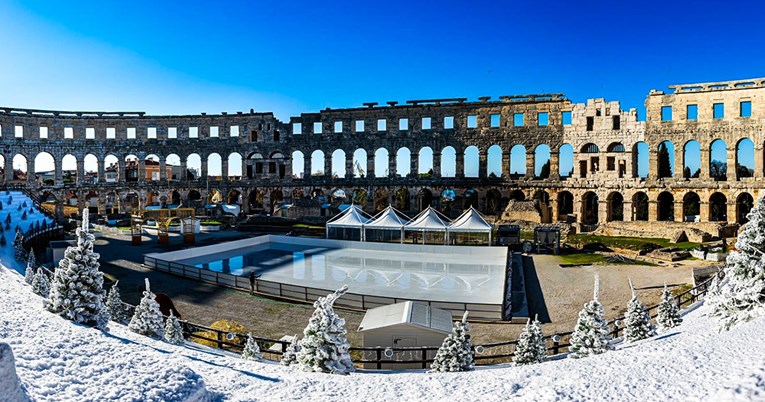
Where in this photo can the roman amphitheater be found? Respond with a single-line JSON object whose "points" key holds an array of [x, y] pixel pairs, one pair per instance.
{"points": [[697, 159]]}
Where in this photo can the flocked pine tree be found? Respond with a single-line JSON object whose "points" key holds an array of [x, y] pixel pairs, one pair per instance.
{"points": [[77, 292], [324, 347], [3, 242], [591, 336], [29, 273], [114, 305], [668, 315], [147, 319], [740, 296], [531, 346], [637, 321], [289, 356], [251, 349], [456, 352], [173, 330], [18, 247], [41, 283]]}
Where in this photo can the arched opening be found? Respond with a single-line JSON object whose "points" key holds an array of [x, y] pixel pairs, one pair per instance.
{"points": [[255, 200], [565, 205], [403, 162], [565, 161], [360, 163], [234, 166], [68, 169], [402, 201], [131, 168], [517, 195], [493, 202], [234, 197], [494, 161], [424, 199], [665, 159], [447, 200], [381, 199], [590, 208], [542, 205], [589, 148], [718, 157], [151, 164], [338, 164], [542, 161], [173, 164], [338, 197], [470, 167], [214, 166], [666, 206], [45, 167], [360, 197], [615, 147], [640, 206], [517, 161], [640, 160], [277, 196], [90, 166], [744, 204], [111, 169], [298, 165], [718, 208], [744, 159], [691, 207], [615, 207], [470, 199], [448, 162], [175, 199], [425, 166], [691, 159], [2, 166], [317, 163], [193, 167], [382, 162]]}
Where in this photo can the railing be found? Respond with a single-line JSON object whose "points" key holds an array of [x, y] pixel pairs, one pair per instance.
{"points": [[40, 237], [422, 356]]}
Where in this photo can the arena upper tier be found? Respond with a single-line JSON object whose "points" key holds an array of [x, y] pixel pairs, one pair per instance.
{"points": [[449, 153]]}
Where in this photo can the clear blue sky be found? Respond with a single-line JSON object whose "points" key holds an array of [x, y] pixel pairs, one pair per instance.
{"points": [[291, 57]]}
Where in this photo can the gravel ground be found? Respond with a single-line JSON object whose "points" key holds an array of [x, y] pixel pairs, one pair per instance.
{"points": [[564, 291]]}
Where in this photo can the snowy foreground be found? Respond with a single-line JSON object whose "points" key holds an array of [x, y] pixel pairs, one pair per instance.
{"points": [[61, 361]]}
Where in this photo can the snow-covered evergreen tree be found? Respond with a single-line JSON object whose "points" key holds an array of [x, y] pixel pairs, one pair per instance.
{"points": [[173, 330], [324, 347], [289, 356], [591, 334], [18, 247], [531, 346], [740, 296], [77, 292], [456, 352], [637, 321], [251, 349], [147, 319], [3, 242], [41, 283], [29, 273], [669, 314], [114, 305]]}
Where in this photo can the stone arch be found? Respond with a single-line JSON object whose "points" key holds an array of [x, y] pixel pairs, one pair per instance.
{"points": [[494, 161], [193, 167], [338, 163], [255, 200], [234, 197], [317, 163], [470, 167], [403, 162], [590, 208], [111, 169], [425, 162], [744, 204], [215, 166], [493, 202], [665, 159], [470, 199], [360, 197], [194, 195], [360, 163], [234, 166], [615, 211], [175, 197], [589, 148], [20, 167], [69, 169], [665, 206], [424, 199], [691, 159], [153, 168], [44, 166], [90, 167], [517, 195], [448, 162], [277, 196], [691, 207], [565, 204], [381, 199], [298, 165], [518, 160], [447, 200], [173, 164], [718, 160], [542, 161], [718, 207], [382, 162], [615, 147], [640, 206], [338, 196], [566, 161], [744, 158], [403, 202]]}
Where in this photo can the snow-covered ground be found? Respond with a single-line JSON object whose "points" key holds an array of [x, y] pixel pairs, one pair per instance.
{"points": [[61, 361], [17, 198]]}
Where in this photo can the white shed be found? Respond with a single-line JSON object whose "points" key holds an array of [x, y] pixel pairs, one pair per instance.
{"points": [[406, 324]]}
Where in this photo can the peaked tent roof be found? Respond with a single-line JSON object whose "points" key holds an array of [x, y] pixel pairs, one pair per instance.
{"points": [[353, 217], [388, 218], [470, 221], [408, 313], [428, 219]]}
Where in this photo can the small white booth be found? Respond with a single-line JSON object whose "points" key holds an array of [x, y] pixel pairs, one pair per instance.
{"points": [[386, 226], [470, 228], [429, 226], [349, 225]]}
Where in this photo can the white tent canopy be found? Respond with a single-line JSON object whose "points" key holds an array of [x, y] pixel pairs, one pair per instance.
{"points": [[429, 220], [352, 217], [388, 218], [471, 221]]}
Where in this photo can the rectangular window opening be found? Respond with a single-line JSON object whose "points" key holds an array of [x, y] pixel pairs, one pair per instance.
{"points": [[19, 131], [718, 110], [338, 127], [448, 122], [193, 132], [518, 119], [426, 122], [151, 133], [90, 133], [359, 126], [403, 124], [214, 132], [297, 128], [131, 132], [746, 109], [692, 112], [616, 123], [666, 113], [590, 123], [233, 131], [111, 133], [172, 132], [43, 132], [494, 120], [543, 118], [382, 125], [317, 127], [566, 118], [472, 121]]}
